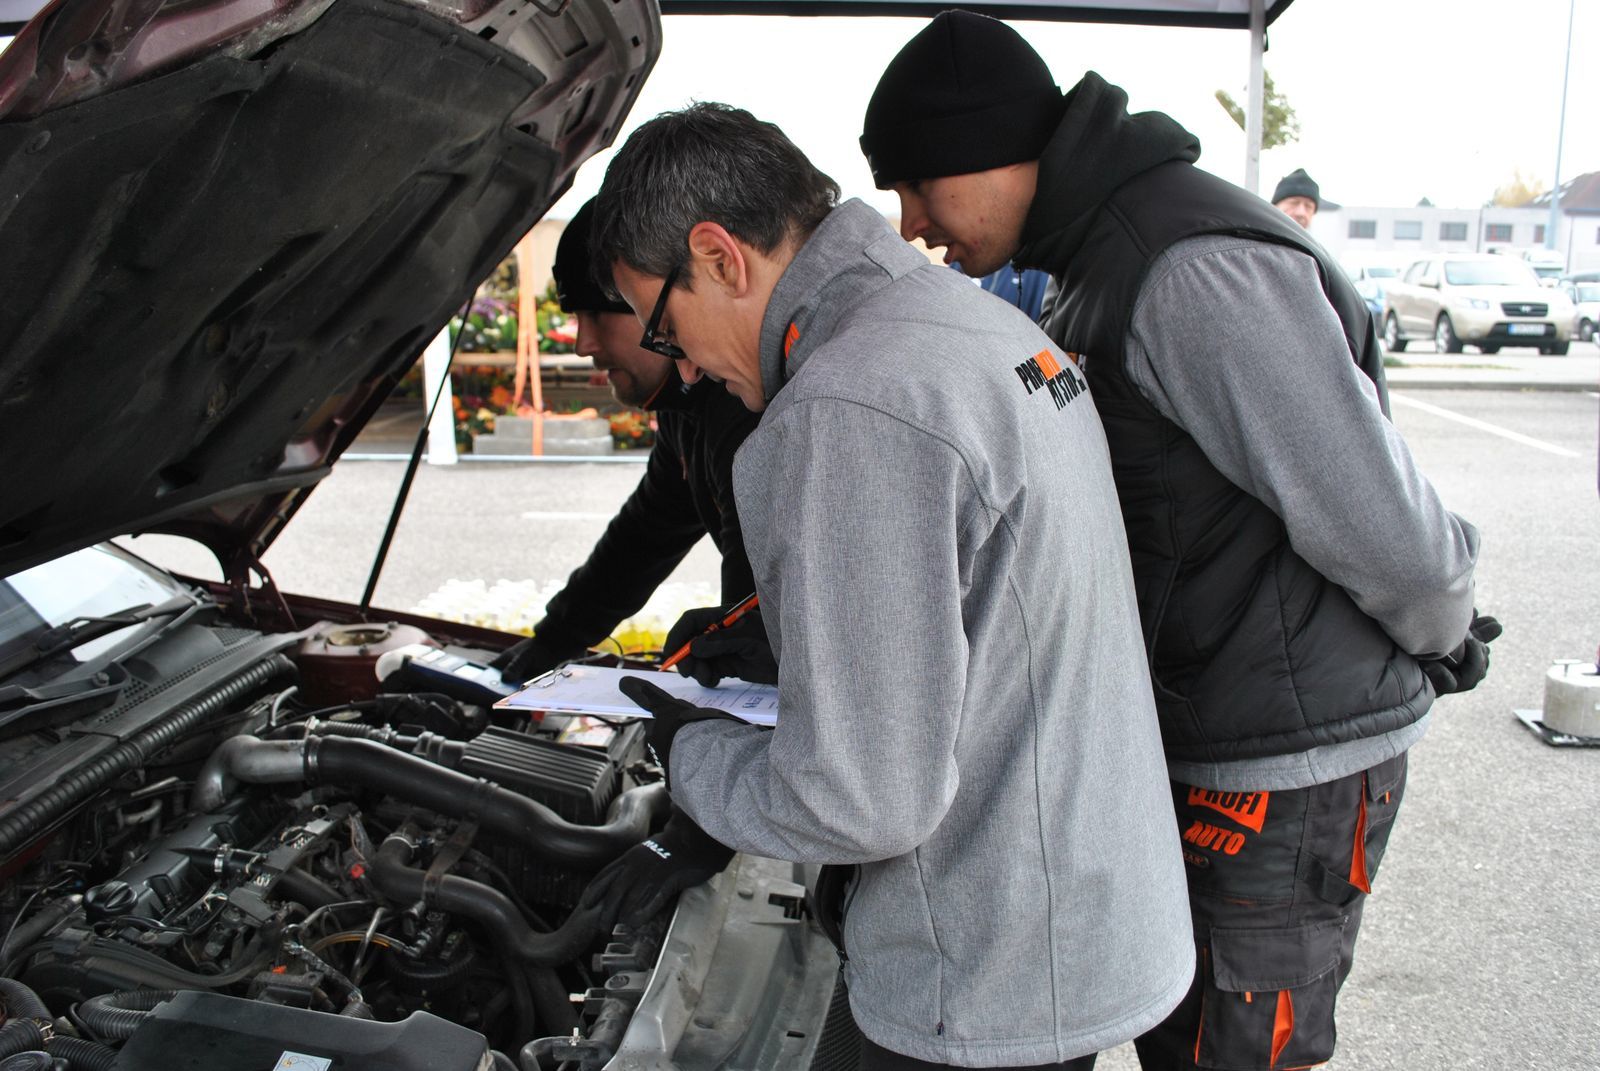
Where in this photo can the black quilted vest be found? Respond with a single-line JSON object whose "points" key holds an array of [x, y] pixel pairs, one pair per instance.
{"points": [[1252, 652]]}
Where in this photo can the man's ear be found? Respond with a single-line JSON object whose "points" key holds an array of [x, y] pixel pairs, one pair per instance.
{"points": [[721, 257]]}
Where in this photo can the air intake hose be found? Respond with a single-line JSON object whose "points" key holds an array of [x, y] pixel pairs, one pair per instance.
{"points": [[392, 876], [118, 1015], [347, 763]]}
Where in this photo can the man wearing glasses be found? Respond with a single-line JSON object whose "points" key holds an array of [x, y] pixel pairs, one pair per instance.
{"points": [[686, 491], [967, 738]]}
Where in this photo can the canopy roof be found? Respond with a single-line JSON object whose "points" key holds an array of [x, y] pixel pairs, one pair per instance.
{"points": [[1225, 14]]}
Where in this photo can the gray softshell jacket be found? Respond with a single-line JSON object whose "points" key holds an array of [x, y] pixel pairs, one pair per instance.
{"points": [[965, 710]]}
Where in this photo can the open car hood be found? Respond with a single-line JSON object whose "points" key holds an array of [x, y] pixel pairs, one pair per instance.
{"points": [[228, 228]]}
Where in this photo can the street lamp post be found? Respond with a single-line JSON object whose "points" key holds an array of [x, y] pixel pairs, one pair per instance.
{"points": [[1561, 130]]}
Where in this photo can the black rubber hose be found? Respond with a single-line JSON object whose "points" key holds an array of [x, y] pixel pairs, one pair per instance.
{"points": [[332, 760], [82, 1055], [20, 1035], [552, 1002], [488, 907], [118, 1015], [151, 971], [41, 923], [32, 1060], [21, 1002], [302, 888], [30, 819], [502, 1062], [362, 763]]}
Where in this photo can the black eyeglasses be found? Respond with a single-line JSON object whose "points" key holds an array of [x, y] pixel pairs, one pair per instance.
{"points": [[653, 339]]}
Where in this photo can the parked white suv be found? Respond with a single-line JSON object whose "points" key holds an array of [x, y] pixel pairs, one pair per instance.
{"points": [[1480, 299]]}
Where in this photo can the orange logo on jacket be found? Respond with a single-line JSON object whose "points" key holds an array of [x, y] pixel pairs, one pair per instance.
{"points": [[1249, 809], [1043, 372], [789, 339]]}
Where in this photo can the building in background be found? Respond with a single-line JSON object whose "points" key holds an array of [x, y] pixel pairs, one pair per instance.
{"points": [[1357, 233]]}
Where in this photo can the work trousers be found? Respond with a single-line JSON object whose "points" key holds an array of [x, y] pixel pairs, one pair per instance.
{"points": [[1277, 881], [875, 1057]]}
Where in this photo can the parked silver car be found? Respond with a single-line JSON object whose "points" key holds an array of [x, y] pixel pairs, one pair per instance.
{"points": [[1586, 298], [1480, 299]]}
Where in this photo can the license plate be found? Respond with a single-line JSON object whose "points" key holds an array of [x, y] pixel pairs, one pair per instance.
{"points": [[1527, 329]]}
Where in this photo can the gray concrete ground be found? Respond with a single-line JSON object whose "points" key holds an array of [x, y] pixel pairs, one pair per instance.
{"points": [[1481, 947]]}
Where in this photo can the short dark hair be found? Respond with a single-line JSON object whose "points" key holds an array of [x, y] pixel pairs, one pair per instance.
{"points": [[705, 163]]}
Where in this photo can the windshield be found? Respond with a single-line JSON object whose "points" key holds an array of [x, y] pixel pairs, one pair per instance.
{"points": [[87, 583], [1382, 273], [1488, 273]]}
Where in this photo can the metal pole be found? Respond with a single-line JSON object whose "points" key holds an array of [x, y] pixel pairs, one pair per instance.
{"points": [[1555, 188], [1254, 120]]}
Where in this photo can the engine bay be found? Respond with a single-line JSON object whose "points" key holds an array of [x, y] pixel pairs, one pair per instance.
{"points": [[259, 854]]}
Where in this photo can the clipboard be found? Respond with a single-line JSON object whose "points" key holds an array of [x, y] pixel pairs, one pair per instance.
{"points": [[592, 690]]}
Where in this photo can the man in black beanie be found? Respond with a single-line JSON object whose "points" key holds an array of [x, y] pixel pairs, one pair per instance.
{"points": [[1298, 198], [1303, 592]]}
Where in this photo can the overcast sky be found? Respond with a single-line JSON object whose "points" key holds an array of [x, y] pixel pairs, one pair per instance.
{"points": [[1397, 99]]}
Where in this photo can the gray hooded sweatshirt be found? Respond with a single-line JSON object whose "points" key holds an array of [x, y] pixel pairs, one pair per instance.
{"points": [[966, 714]]}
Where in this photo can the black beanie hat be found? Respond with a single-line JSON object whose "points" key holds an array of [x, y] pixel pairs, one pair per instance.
{"points": [[965, 94], [576, 288], [1299, 184]]}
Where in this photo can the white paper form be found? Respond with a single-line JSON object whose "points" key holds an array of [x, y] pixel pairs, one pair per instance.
{"points": [[593, 690]]}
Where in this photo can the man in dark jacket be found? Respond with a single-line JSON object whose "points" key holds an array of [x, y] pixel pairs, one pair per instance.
{"points": [[686, 491], [1304, 594]]}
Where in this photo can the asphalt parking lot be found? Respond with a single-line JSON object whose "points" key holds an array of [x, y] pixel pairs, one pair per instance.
{"points": [[1482, 940]]}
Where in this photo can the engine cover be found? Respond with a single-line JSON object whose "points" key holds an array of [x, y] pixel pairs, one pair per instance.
{"points": [[196, 1031]]}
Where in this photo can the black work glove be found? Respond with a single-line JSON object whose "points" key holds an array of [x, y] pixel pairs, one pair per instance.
{"points": [[1463, 668], [740, 650], [526, 660], [669, 714], [637, 885]]}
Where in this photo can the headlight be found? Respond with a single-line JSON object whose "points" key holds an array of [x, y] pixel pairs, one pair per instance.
{"points": [[1477, 303]]}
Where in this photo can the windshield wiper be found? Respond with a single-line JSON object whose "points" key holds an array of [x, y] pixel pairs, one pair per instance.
{"points": [[81, 630]]}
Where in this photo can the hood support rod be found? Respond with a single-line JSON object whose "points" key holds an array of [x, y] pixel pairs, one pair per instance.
{"points": [[411, 466]]}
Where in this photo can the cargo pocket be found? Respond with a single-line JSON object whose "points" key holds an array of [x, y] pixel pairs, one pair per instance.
{"points": [[1269, 997]]}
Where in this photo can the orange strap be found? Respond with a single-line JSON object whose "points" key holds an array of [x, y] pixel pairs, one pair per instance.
{"points": [[1282, 1025], [1358, 852]]}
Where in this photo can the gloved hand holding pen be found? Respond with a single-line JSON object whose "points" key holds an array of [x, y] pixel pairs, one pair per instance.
{"points": [[739, 649]]}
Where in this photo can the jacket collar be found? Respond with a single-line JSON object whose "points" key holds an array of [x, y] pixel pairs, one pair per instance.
{"points": [[1097, 147], [852, 253]]}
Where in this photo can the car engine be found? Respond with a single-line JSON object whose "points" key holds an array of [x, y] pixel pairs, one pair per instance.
{"points": [[258, 855]]}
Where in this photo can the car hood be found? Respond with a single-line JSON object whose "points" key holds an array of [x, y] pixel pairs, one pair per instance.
{"points": [[1497, 294], [230, 227]]}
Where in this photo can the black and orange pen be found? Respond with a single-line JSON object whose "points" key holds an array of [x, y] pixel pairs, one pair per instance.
{"points": [[740, 608]]}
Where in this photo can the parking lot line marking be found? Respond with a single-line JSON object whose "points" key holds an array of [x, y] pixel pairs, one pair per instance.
{"points": [[541, 516], [1481, 425]]}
